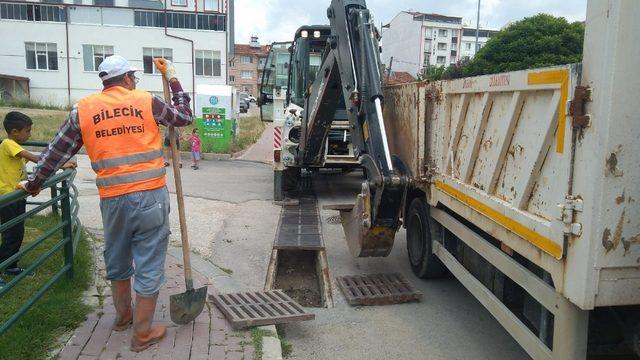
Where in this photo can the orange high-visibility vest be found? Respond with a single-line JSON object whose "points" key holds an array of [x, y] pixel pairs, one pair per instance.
{"points": [[122, 139]]}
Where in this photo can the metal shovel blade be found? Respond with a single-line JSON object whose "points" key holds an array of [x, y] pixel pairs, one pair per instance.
{"points": [[186, 306]]}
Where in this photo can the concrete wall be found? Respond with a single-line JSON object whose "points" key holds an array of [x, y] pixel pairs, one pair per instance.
{"points": [[50, 86], [402, 40]]}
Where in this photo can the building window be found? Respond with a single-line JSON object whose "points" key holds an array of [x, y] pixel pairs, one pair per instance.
{"points": [[103, 2], [93, 55], [208, 62], [32, 12], [442, 46], [148, 54], [262, 62], [178, 2], [232, 78], [179, 20], [454, 32], [231, 63], [246, 74], [211, 5], [246, 59], [440, 60], [468, 46], [442, 32], [42, 56], [211, 22]]}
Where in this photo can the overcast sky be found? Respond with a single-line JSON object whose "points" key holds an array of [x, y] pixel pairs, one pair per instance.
{"points": [[276, 20]]}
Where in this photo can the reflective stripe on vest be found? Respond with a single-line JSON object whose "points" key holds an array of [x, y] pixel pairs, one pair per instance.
{"points": [[128, 178], [128, 159], [123, 141]]}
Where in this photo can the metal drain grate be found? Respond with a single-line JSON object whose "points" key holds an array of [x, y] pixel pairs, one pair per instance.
{"points": [[377, 289], [299, 225], [334, 219], [257, 308]]}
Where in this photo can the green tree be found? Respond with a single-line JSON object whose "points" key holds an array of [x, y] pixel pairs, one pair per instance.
{"points": [[432, 72], [537, 41]]}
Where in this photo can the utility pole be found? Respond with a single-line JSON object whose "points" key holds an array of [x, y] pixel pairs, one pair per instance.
{"points": [[477, 28]]}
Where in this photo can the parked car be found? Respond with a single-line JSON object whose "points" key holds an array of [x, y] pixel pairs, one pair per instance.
{"points": [[246, 97], [244, 105], [251, 98]]}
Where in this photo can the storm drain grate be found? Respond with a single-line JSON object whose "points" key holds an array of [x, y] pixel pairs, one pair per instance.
{"points": [[299, 225], [244, 309], [377, 289]]}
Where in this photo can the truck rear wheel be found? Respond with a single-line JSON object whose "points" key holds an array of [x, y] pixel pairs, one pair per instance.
{"points": [[421, 229]]}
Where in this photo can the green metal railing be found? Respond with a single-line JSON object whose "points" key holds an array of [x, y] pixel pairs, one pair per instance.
{"points": [[64, 200]]}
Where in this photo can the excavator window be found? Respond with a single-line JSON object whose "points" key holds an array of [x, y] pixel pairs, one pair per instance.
{"points": [[274, 77]]}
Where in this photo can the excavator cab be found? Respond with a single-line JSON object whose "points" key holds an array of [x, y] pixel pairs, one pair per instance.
{"points": [[273, 88]]}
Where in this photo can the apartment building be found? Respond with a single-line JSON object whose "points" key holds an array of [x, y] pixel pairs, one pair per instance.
{"points": [[467, 47], [58, 44], [246, 66], [416, 40]]}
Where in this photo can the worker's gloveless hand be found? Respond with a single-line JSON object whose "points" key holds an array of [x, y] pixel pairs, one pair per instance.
{"points": [[166, 68]]}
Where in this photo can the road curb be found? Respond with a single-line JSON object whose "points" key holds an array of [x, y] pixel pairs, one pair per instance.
{"points": [[271, 345]]}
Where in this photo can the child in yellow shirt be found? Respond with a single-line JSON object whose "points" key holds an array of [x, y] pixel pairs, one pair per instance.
{"points": [[12, 169]]}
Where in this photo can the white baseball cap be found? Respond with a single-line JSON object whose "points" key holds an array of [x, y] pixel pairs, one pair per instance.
{"points": [[113, 66]]}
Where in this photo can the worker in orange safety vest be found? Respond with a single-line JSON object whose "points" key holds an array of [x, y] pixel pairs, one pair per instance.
{"points": [[119, 129]]}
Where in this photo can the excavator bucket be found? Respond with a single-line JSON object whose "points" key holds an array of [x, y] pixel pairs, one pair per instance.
{"points": [[363, 239]]}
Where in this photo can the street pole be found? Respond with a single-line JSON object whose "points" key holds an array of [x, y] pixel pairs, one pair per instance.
{"points": [[477, 28]]}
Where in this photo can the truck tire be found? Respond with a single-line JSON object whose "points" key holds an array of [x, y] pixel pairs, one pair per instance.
{"points": [[421, 229]]}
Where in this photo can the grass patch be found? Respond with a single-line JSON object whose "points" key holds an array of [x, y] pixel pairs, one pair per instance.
{"points": [[30, 104], [250, 129], [256, 338], [45, 122], [287, 347], [59, 310]]}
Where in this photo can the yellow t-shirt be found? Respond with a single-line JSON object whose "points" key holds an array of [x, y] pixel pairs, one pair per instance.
{"points": [[11, 166]]}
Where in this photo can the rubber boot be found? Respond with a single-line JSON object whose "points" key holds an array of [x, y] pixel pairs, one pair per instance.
{"points": [[145, 335], [121, 291]]}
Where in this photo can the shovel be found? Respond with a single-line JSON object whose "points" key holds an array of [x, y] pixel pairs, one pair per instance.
{"points": [[186, 306]]}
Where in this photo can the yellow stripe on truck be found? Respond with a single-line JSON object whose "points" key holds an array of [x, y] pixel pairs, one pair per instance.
{"points": [[555, 77], [544, 243]]}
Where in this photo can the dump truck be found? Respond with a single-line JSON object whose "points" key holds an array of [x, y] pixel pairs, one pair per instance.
{"points": [[523, 185]]}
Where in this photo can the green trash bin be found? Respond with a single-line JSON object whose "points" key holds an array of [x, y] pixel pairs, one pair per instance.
{"points": [[216, 131]]}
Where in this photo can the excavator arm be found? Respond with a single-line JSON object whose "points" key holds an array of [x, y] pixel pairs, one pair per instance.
{"points": [[351, 68]]}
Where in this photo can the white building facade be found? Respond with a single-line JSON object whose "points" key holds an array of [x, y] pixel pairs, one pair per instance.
{"points": [[417, 40], [467, 46], [58, 47]]}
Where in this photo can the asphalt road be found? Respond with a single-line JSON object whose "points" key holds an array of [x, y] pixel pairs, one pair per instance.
{"points": [[447, 324], [232, 223]]}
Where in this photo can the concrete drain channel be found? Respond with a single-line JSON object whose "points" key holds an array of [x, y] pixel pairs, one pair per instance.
{"points": [[298, 264]]}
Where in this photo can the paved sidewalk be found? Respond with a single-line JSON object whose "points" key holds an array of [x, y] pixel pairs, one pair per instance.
{"points": [[208, 337]]}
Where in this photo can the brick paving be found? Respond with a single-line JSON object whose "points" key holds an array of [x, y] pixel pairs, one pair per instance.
{"points": [[209, 337]]}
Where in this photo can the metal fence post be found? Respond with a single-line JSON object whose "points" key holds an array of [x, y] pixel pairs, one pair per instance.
{"points": [[67, 230], [54, 206]]}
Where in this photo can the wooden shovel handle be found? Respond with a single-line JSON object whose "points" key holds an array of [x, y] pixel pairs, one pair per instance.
{"points": [[175, 159]]}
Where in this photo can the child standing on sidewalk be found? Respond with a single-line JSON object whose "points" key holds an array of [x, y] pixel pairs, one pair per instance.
{"points": [[194, 139], [12, 170]]}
